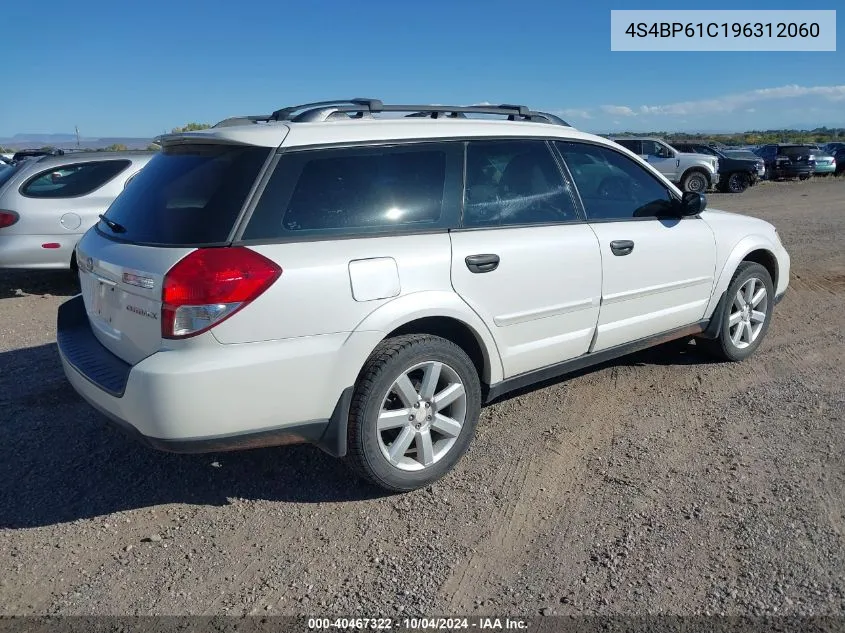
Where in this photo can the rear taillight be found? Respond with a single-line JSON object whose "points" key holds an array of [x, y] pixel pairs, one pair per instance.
{"points": [[8, 218], [210, 285]]}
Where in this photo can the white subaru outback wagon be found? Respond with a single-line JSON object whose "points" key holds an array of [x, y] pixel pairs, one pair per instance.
{"points": [[364, 277]]}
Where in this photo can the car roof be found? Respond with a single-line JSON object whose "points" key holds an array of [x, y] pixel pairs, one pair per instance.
{"points": [[635, 138], [369, 120], [356, 131], [87, 157]]}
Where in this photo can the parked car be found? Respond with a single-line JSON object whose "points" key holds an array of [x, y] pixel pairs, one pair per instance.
{"points": [[35, 153], [736, 174], [692, 172], [825, 162], [837, 150], [787, 161], [367, 284], [48, 202]]}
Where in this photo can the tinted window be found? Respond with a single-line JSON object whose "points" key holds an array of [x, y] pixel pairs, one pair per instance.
{"points": [[612, 186], [795, 151], [652, 148], [70, 181], [634, 146], [7, 171], [356, 190], [189, 195], [514, 182]]}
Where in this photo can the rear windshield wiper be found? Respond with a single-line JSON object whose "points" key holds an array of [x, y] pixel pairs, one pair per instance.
{"points": [[114, 226]]}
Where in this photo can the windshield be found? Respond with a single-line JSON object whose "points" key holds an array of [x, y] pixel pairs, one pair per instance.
{"points": [[188, 195]]}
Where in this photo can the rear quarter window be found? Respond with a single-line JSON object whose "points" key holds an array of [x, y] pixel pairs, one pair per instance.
{"points": [[360, 190], [187, 195], [73, 180]]}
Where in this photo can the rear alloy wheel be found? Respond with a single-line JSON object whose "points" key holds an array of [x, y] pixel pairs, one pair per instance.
{"points": [[746, 317], [695, 182], [738, 182], [414, 412]]}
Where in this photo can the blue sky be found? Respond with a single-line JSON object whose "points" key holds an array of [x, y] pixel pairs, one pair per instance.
{"points": [[139, 68]]}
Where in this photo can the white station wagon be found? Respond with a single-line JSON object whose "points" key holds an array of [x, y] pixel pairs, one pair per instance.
{"points": [[364, 277]]}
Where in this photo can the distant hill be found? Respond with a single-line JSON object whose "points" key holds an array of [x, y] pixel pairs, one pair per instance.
{"points": [[68, 141]]}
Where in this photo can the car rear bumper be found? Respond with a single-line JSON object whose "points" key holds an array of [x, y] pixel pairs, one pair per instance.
{"points": [[792, 171], [226, 397], [28, 251], [825, 169]]}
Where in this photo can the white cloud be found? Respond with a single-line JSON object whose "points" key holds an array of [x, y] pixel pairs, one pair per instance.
{"points": [[730, 103], [574, 113], [618, 110]]}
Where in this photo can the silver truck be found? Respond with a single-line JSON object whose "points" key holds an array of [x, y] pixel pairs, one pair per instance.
{"points": [[691, 172]]}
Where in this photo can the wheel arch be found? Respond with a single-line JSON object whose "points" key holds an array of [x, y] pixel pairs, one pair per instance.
{"points": [[754, 248], [444, 314], [701, 170]]}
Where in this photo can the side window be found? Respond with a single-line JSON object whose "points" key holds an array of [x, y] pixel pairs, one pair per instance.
{"points": [[634, 146], [515, 182], [612, 186], [357, 190], [651, 148], [72, 181]]}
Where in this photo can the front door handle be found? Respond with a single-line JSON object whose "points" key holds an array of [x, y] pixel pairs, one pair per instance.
{"points": [[621, 247], [482, 263]]}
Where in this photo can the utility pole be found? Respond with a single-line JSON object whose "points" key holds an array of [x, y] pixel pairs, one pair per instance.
{"points": [[76, 127]]}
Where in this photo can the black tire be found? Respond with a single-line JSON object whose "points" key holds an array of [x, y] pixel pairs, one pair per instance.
{"points": [[723, 347], [804, 176], [696, 181], [388, 362], [737, 182]]}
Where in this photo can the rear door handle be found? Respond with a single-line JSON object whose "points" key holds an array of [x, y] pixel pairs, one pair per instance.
{"points": [[621, 247], [482, 263]]}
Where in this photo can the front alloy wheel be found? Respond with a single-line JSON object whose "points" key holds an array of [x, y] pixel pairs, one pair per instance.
{"points": [[748, 313], [746, 317], [738, 182]]}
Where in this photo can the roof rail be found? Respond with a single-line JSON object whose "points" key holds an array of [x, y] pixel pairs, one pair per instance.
{"points": [[360, 108], [365, 108]]}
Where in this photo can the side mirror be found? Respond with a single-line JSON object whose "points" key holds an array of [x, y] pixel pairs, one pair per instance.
{"points": [[692, 203]]}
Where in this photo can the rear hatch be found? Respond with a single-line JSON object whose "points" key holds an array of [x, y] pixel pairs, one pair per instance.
{"points": [[186, 200], [798, 156]]}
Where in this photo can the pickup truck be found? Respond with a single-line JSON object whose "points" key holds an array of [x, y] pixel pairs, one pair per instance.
{"points": [[691, 172], [735, 174]]}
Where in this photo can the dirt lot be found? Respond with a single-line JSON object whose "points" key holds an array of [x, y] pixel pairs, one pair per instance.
{"points": [[662, 483]]}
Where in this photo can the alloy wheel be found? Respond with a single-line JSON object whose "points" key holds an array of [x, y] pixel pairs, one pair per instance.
{"points": [[748, 313], [421, 416]]}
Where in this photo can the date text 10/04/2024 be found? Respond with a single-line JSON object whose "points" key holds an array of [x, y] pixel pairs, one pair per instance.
{"points": [[415, 623]]}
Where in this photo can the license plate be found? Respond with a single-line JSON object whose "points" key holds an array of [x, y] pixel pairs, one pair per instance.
{"points": [[103, 299]]}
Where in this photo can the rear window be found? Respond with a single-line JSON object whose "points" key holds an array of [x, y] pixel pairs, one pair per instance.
{"points": [[7, 171], [74, 180], [187, 195], [795, 151], [355, 190]]}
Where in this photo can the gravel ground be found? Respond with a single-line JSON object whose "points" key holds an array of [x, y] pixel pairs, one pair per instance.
{"points": [[660, 483]]}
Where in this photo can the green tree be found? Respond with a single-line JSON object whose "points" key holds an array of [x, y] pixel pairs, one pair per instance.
{"points": [[191, 127], [116, 147], [152, 147]]}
